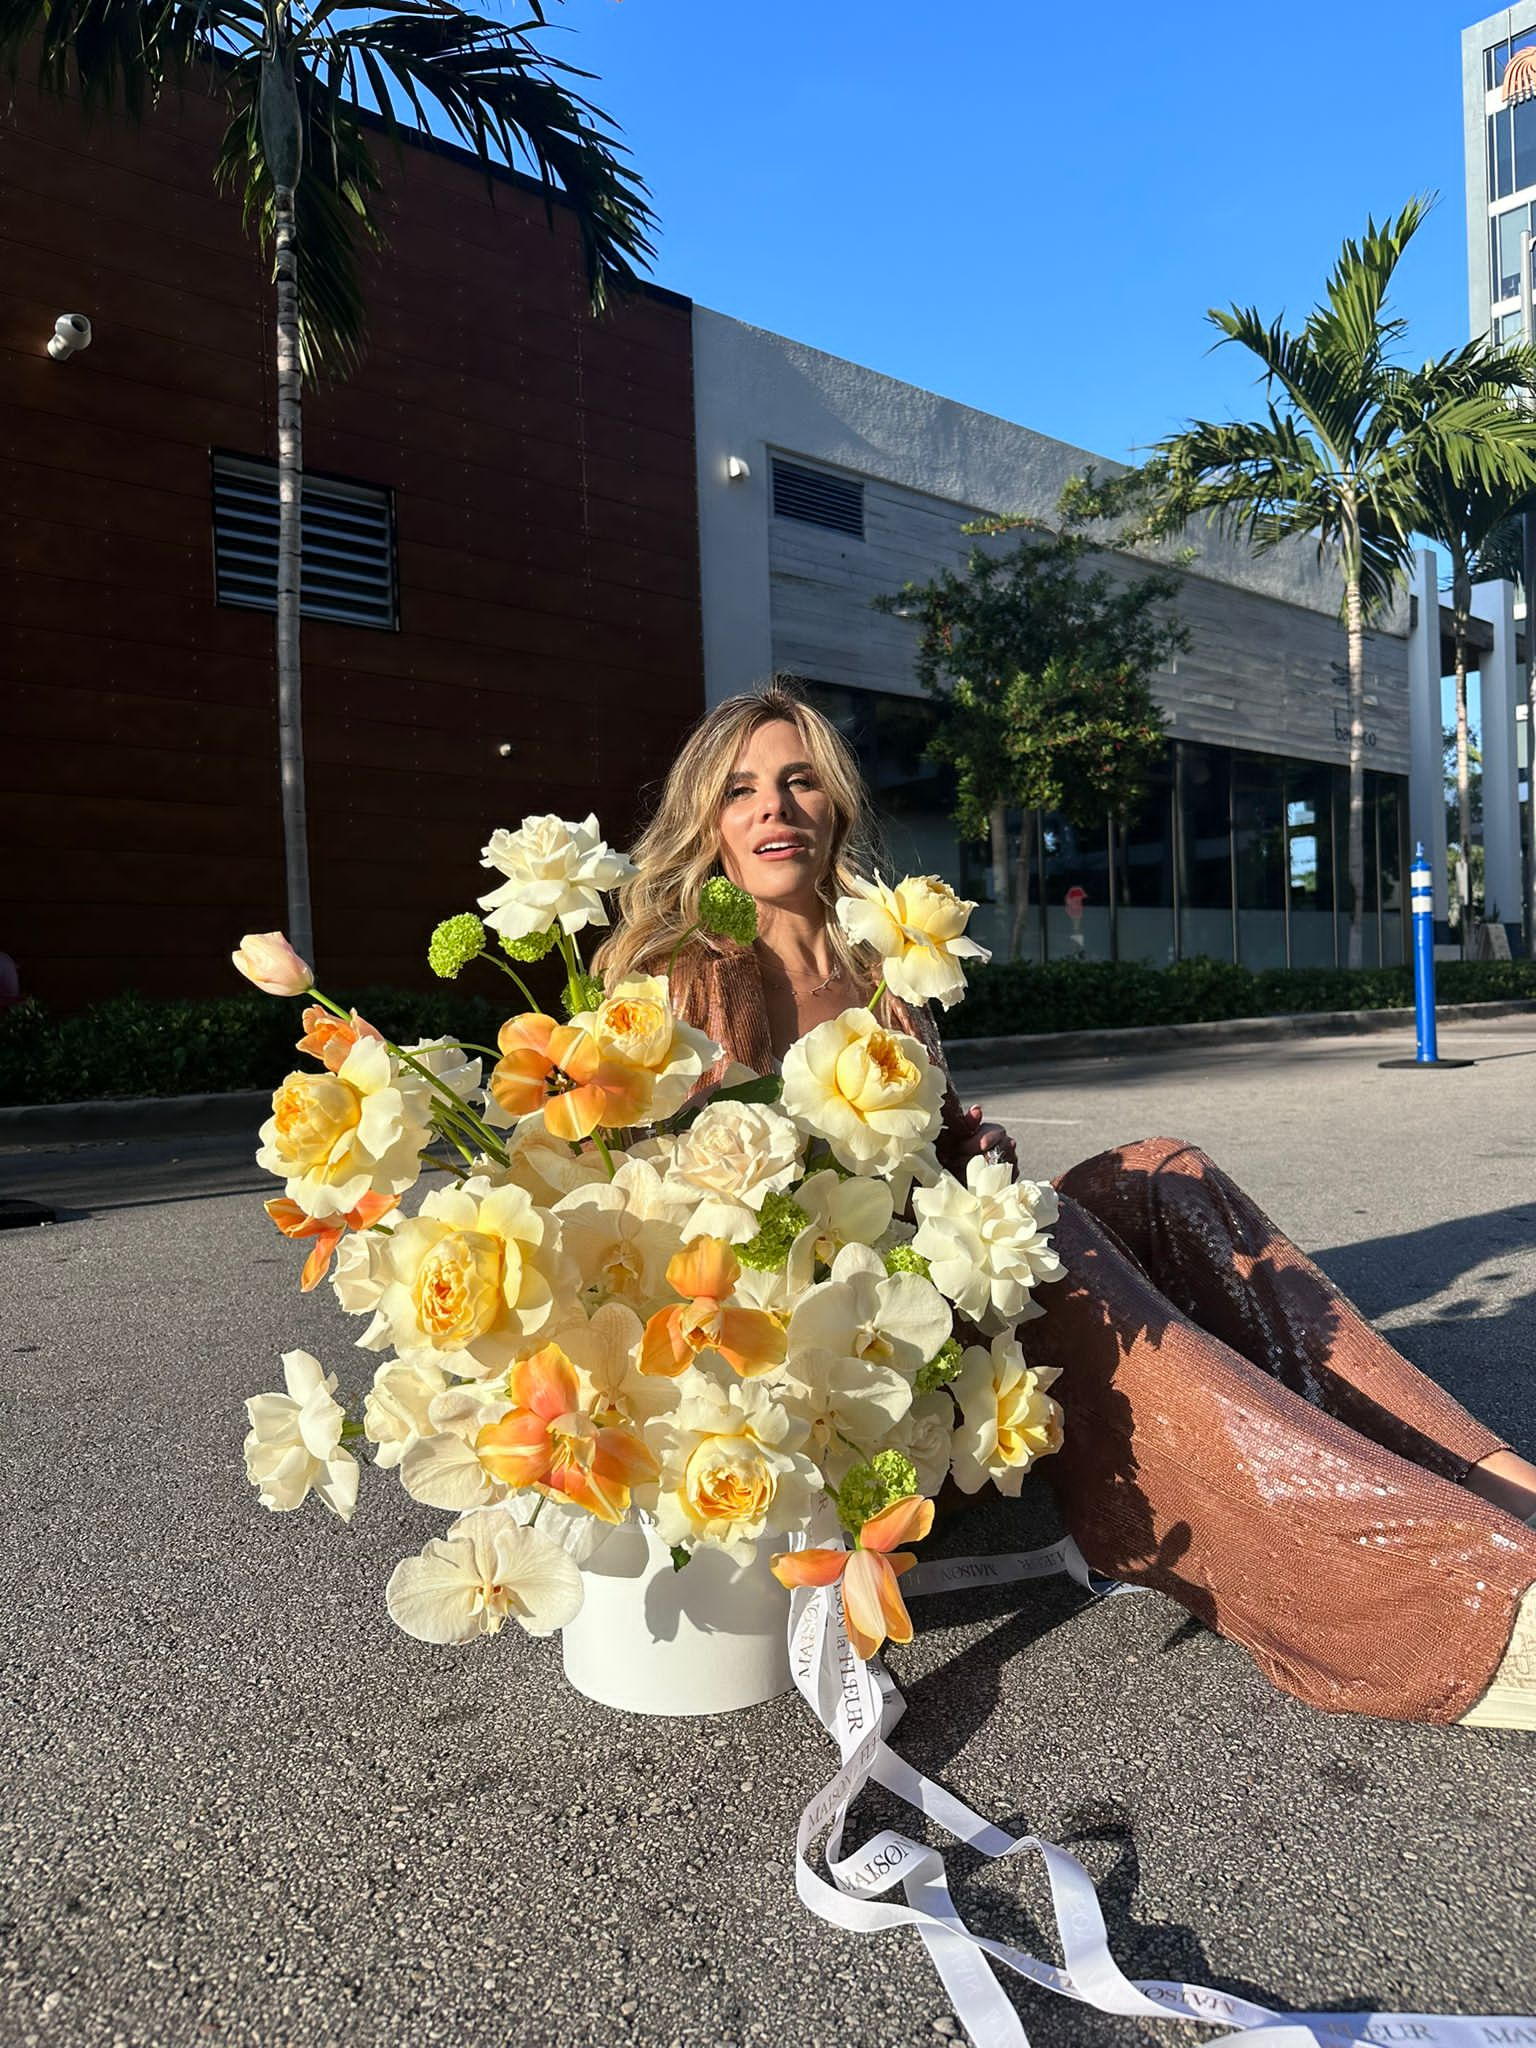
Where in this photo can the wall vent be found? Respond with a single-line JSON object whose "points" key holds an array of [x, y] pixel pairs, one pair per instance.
{"points": [[348, 547], [818, 498]]}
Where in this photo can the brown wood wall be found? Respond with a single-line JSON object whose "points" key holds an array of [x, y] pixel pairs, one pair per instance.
{"points": [[548, 563]]}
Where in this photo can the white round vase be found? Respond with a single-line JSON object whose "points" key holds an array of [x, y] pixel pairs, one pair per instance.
{"points": [[651, 1640]]}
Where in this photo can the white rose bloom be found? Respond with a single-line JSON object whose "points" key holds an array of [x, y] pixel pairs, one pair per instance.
{"points": [[985, 1242], [333, 1138], [849, 1406], [395, 1413], [294, 1444], [605, 1353], [357, 1276], [475, 1279], [447, 1062], [556, 871], [918, 929], [1007, 1418], [620, 1234], [873, 1094], [442, 1468], [732, 1468], [637, 1023], [727, 1163], [927, 1433], [467, 1583], [863, 1312], [841, 1212]]}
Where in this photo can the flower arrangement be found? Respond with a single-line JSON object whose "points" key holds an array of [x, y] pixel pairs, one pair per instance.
{"points": [[752, 1314]]}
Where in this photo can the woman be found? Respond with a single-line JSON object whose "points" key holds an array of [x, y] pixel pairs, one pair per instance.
{"points": [[1238, 1436]]}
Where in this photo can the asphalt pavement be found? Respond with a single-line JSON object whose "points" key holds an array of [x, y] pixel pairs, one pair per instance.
{"points": [[242, 1808]]}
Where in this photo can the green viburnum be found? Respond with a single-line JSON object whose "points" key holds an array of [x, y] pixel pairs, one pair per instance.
{"points": [[727, 910], [534, 947], [582, 992], [454, 943], [940, 1369], [902, 1259], [889, 1476], [781, 1221]]}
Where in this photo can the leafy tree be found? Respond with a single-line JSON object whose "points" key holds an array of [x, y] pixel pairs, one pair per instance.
{"points": [[298, 81], [1341, 453], [1040, 664]]}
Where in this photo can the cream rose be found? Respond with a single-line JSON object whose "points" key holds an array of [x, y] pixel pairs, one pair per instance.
{"points": [[474, 1280], [918, 929], [873, 1094], [732, 1468], [985, 1242], [727, 1164], [556, 870], [396, 1411], [333, 1138], [637, 1024], [1007, 1418]]}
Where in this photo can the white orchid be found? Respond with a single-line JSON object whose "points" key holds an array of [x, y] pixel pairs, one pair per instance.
{"points": [[619, 1235], [293, 1448], [849, 1405], [487, 1568], [606, 1355], [556, 871], [918, 930], [864, 1313], [840, 1212], [334, 1138], [985, 1241]]}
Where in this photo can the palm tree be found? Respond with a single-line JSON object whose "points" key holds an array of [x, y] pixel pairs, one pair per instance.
{"points": [[1476, 519], [304, 85], [1339, 455]]}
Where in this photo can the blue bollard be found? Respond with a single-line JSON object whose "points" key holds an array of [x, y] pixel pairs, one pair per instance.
{"points": [[1421, 902]]}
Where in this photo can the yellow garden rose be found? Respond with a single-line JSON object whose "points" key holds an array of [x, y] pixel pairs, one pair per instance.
{"points": [[334, 1138], [732, 1468], [637, 1024], [873, 1094], [918, 929]]}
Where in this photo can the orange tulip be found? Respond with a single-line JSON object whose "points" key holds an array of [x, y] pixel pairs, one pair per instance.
{"points": [[748, 1339], [545, 1441], [873, 1608], [562, 1070], [329, 1038], [293, 1221]]}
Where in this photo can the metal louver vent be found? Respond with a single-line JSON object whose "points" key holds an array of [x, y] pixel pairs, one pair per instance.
{"points": [[348, 544], [818, 498]]}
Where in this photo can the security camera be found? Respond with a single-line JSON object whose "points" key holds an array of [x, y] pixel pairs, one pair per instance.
{"points": [[71, 331]]}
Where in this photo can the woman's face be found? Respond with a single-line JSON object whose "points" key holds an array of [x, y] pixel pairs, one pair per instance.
{"points": [[776, 822]]}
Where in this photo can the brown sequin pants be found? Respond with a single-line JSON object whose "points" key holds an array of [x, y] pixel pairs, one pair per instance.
{"points": [[1239, 1437]]}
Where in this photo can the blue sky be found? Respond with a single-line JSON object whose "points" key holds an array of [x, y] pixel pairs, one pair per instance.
{"points": [[1026, 208]]}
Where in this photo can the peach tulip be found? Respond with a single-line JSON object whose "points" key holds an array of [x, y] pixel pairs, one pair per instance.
{"points": [[546, 1441], [562, 1070], [873, 1608], [750, 1340], [329, 1038], [327, 1232], [267, 959]]}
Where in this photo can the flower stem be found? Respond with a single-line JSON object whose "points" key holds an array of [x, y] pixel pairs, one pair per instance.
{"points": [[607, 1156], [879, 992], [513, 975], [687, 935]]}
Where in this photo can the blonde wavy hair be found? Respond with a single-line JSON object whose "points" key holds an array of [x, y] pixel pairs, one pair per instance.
{"points": [[680, 848]]}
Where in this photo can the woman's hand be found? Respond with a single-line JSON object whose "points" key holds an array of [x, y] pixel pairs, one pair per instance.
{"points": [[967, 1137]]}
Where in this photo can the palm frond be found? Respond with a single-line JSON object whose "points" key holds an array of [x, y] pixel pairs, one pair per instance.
{"points": [[116, 53]]}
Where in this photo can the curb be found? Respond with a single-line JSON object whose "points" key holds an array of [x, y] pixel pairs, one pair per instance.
{"points": [[124, 1118], [1080, 1045]]}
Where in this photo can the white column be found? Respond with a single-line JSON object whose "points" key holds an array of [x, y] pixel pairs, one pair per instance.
{"points": [[1426, 735], [1495, 602], [733, 515]]}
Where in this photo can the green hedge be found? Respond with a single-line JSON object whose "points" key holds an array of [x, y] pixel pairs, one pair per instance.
{"points": [[1068, 995], [133, 1045]]}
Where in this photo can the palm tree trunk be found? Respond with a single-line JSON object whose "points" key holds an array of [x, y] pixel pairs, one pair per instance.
{"points": [[1461, 600], [1354, 618], [1021, 886], [290, 478], [998, 825]]}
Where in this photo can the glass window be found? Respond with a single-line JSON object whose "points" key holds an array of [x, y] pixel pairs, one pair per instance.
{"points": [[1076, 890], [1370, 952], [1524, 118], [1392, 825], [1258, 845], [1144, 873], [1496, 60], [1501, 162], [1203, 850], [1309, 861], [1509, 327], [1507, 230]]}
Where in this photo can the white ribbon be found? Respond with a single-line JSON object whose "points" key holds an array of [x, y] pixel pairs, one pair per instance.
{"points": [[858, 1706]]}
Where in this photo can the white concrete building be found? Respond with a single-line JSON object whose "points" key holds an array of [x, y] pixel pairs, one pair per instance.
{"points": [[823, 484]]}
